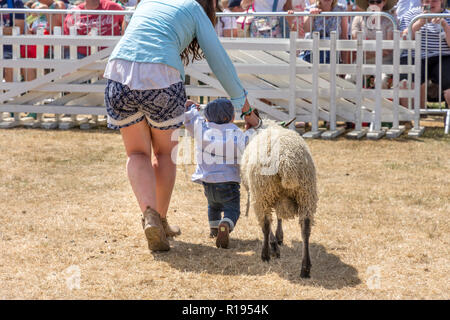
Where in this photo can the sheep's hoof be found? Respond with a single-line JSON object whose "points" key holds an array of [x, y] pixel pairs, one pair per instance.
{"points": [[305, 274], [265, 257], [275, 249], [280, 242]]}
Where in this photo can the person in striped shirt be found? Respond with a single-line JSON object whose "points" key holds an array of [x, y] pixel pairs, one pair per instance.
{"points": [[435, 42]]}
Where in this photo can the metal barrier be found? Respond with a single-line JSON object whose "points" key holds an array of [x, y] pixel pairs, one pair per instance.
{"points": [[279, 84]]}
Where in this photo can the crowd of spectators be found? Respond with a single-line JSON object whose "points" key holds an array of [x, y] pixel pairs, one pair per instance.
{"points": [[435, 31]]}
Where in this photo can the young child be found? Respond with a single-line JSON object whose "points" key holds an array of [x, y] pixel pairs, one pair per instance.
{"points": [[219, 146]]}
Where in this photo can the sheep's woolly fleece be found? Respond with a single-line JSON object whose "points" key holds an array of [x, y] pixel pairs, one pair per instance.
{"points": [[291, 188]]}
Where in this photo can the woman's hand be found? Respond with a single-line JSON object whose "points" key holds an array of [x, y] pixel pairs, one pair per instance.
{"points": [[189, 103], [440, 21], [315, 11], [252, 119]]}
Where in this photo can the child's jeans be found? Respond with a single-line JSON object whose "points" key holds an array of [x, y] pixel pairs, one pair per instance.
{"points": [[223, 197]]}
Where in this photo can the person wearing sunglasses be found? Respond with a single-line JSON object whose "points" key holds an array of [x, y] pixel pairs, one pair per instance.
{"points": [[435, 36]]}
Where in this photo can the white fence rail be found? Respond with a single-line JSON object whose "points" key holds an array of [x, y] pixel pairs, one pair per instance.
{"points": [[279, 84]]}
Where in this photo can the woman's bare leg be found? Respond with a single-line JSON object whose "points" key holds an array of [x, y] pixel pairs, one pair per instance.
{"points": [[164, 165], [138, 145]]}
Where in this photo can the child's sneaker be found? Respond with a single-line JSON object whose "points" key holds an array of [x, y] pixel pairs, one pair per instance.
{"points": [[213, 232], [223, 235]]}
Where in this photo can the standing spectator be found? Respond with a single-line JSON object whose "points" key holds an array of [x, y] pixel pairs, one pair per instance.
{"points": [[227, 26], [8, 21], [106, 25], [434, 33], [297, 24], [324, 26], [370, 26], [55, 20], [34, 23], [268, 27]]}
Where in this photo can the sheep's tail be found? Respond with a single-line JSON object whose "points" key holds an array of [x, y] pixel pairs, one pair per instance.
{"points": [[289, 180], [247, 208]]}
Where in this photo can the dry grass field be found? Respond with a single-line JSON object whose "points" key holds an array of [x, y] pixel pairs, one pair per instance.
{"points": [[70, 226]]}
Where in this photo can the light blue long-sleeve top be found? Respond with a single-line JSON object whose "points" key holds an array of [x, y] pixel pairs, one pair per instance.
{"points": [[161, 29], [218, 148]]}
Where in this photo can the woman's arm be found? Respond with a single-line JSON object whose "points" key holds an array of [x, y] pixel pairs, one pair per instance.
{"points": [[445, 26], [291, 20]]}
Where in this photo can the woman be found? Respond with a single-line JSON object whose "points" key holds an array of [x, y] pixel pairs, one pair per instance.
{"points": [[324, 25], [435, 48], [369, 26], [145, 97]]}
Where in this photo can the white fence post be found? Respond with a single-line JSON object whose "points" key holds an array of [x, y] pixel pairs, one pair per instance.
{"points": [[292, 77], [333, 132], [377, 132], [396, 130], [16, 71], [16, 77], [359, 132], [85, 124], [73, 50], [39, 71], [333, 81], [315, 133], [417, 130], [58, 53]]}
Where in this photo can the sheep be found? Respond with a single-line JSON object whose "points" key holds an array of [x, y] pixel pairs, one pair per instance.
{"points": [[278, 172]]}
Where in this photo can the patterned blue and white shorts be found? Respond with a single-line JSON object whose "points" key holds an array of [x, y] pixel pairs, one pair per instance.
{"points": [[162, 108]]}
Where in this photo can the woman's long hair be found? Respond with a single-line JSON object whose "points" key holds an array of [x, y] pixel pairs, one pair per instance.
{"points": [[193, 49]]}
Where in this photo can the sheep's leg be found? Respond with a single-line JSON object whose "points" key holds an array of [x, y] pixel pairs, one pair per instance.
{"points": [[279, 232], [265, 255], [274, 245], [306, 260]]}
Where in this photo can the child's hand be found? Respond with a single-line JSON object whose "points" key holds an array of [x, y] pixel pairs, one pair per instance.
{"points": [[189, 103]]}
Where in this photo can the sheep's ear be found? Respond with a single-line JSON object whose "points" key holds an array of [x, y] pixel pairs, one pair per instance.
{"points": [[285, 124]]}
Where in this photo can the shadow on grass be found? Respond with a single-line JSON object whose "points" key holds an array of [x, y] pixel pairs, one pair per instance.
{"points": [[243, 258]]}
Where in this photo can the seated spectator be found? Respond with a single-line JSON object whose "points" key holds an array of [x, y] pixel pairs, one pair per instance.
{"points": [[324, 25], [106, 25], [434, 32], [8, 21], [369, 26]]}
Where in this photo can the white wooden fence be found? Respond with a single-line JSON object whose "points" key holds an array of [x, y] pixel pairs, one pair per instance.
{"points": [[279, 84]]}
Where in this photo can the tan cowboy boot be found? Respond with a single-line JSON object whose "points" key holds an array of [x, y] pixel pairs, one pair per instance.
{"points": [[171, 231], [154, 231]]}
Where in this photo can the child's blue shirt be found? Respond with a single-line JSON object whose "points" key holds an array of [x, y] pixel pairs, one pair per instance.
{"points": [[218, 148]]}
